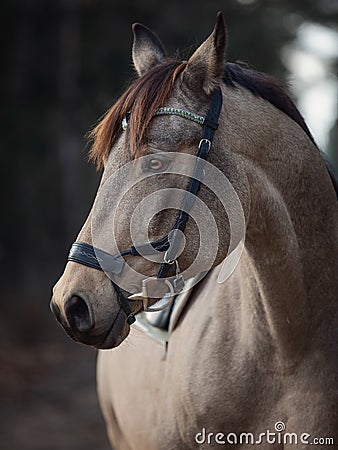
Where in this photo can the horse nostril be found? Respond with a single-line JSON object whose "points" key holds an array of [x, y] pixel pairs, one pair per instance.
{"points": [[78, 314]]}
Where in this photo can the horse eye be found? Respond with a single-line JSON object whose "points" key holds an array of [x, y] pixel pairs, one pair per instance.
{"points": [[156, 164]]}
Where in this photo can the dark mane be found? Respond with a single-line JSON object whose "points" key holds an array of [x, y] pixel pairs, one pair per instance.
{"points": [[270, 89], [266, 87], [142, 98]]}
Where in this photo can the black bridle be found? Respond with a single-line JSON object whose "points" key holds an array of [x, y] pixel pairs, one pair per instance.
{"points": [[113, 264]]}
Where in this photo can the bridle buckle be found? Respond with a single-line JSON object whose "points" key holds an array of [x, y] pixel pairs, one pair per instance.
{"points": [[205, 141], [146, 293]]}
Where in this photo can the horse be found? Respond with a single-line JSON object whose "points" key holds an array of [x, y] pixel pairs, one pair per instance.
{"points": [[252, 358]]}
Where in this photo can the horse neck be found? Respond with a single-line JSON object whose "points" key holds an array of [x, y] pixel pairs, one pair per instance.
{"points": [[289, 266]]}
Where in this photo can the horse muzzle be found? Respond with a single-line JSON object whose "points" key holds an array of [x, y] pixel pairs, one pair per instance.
{"points": [[77, 319]]}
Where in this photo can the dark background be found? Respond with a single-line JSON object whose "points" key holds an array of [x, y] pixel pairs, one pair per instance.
{"points": [[63, 63]]}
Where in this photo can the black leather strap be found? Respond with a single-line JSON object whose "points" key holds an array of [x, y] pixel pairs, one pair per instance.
{"points": [[95, 258], [212, 119], [209, 127], [123, 301]]}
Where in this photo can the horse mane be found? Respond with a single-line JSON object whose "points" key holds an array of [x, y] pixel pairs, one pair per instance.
{"points": [[151, 91], [266, 87], [140, 101]]}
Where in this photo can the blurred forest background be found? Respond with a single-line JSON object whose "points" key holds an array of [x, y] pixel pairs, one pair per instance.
{"points": [[63, 64]]}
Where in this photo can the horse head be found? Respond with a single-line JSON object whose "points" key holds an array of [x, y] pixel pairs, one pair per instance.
{"points": [[150, 145]]}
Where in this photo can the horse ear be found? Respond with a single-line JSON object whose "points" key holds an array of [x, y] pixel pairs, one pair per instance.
{"points": [[205, 68], [147, 49]]}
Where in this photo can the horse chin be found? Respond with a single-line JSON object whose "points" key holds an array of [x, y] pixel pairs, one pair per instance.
{"points": [[116, 334]]}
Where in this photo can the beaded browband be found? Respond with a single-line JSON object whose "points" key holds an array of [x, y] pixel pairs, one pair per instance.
{"points": [[174, 112], [182, 113]]}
